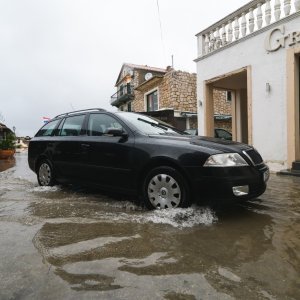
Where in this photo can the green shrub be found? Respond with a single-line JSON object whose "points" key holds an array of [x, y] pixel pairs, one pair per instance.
{"points": [[9, 142]]}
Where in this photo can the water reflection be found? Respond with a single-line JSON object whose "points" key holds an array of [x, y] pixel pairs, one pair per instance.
{"points": [[6, 164], [96, 255]]}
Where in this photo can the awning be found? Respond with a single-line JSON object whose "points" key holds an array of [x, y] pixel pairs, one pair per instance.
{"points": [[223, 117]]}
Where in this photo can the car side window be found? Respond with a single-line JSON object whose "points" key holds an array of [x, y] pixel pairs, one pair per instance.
{"points": [[72, 126], [48, 129], [100, 124]]}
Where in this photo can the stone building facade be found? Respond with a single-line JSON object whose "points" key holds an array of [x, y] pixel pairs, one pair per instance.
{"points": [[177, 90], [166, 89], [174, 91]]}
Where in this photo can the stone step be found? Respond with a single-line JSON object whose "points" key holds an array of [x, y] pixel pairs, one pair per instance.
{"points": [[294, 171], [296, 166]]}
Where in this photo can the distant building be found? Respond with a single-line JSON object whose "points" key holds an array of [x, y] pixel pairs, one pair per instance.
{"points": [[4, 130], [167, 94]]}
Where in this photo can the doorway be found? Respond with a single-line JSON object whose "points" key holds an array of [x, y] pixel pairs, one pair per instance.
{"points": [[237, 84], [297, 104], [293, 107]]}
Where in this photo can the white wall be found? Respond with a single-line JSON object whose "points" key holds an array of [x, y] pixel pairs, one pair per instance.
{"points": [[269, 111]]}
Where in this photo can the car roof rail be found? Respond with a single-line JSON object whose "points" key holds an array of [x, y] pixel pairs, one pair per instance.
{"points": [[77, 111]]}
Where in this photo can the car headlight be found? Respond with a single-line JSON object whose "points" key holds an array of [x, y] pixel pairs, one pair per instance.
{"points": [[225, 160]]}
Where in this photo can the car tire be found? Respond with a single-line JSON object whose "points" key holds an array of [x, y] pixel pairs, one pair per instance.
{"points": [[45, 174], [165, 187]]}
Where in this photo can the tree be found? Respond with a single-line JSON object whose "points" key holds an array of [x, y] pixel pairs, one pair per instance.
{"points": [[2, 119]]}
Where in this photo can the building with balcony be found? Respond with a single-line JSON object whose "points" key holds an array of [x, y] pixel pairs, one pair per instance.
{"points": [[167, 94], [254, 53], [128, 79]]}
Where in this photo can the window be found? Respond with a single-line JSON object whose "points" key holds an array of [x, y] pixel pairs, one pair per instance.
{"points": [[228, 96], [99, 124], [48, 129], [129, 107], [152, 101], [72, 126], [121, 91]]}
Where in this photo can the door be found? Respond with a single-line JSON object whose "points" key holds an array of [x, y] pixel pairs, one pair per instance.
{"points": [[67, 156], [109, 158]]}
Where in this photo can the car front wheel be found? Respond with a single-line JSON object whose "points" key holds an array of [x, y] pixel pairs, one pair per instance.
{"points": [[165, 187], [45, 174]]}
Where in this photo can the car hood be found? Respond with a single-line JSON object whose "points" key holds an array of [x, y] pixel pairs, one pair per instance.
{"points": [[218, 145]]}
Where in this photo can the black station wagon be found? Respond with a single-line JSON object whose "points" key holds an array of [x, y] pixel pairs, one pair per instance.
{"points": [[133, 153]]}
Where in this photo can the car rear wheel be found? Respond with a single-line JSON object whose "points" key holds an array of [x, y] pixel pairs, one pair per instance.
{"points": [[164, 187], [45, 174]]}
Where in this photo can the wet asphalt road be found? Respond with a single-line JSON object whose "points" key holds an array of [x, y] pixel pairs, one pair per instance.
{"points": [[67, 243]]}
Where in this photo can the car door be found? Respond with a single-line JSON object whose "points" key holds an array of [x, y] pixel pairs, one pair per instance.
{"points": [[68, 153], [109, 157]]}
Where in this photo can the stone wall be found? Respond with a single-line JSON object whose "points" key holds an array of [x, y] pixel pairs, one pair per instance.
{"points": [[177, 90], [227, 125], [221, 105]]}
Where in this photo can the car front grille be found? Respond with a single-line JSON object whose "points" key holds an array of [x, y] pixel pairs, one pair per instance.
{"points": [[254, 157]]}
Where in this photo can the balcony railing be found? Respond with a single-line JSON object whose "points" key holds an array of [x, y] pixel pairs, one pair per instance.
{"points": [[124, 93], [250, 18]]}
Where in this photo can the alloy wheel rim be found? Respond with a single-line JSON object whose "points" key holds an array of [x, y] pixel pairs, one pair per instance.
{"points": [[45, 174], [164, 192]]}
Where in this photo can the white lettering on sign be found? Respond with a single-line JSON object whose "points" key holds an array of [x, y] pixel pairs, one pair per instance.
{"points": [[274, 43]]}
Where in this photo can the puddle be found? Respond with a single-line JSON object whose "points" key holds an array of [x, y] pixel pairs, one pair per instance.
{"points": [[82, 244]]}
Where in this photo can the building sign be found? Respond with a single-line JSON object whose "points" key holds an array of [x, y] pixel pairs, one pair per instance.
{"points": [[277, 38]]}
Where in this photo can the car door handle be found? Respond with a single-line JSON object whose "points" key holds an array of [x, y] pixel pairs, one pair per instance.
{"points": [[85, 146]]}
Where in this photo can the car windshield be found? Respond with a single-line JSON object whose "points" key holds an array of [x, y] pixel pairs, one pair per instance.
{"points": [[149, 125]]}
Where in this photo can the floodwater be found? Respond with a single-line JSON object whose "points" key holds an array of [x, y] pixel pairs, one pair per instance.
{"points": [[69, 243]]}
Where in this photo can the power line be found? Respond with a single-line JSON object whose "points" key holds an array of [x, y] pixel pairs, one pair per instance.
{"points": [[161, 32]]}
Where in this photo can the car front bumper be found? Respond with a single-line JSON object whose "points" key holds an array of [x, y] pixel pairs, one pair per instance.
{"points": [[229, 183]]}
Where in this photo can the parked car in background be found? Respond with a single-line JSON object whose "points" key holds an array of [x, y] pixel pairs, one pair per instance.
{"points": [[136, 154], [219, 133], [223, 134], [191, 131]]}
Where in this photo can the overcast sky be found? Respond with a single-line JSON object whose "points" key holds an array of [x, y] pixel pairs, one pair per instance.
{"points": [[56, 55]]}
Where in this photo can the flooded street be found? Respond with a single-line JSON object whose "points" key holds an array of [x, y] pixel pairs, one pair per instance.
{"points": [[68, 243]]}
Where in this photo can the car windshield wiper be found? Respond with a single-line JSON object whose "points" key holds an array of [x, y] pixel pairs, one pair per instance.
{"points": [[153, 124]]}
